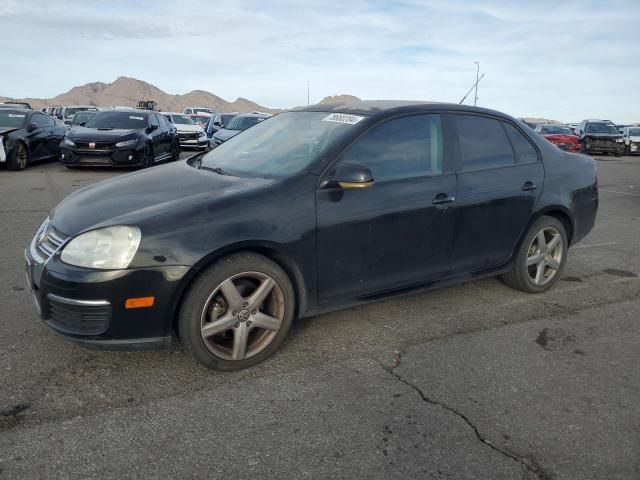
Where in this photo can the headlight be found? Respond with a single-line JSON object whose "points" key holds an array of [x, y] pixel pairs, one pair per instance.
{"points": [[104, 248], [68, 141], [202, 133], [619, 140], [127, 143]]}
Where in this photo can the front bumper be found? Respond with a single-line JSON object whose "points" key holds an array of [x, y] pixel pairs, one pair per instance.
{"points": [[88, 306], [194, 142], [121, 157], [606, 146]]}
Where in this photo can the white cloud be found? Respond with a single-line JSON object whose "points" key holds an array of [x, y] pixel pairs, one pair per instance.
{"points": [[564, 60]]}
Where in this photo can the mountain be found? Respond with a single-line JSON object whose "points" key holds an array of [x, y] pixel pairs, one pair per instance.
{"points": [[339, 99], [126, 92]]}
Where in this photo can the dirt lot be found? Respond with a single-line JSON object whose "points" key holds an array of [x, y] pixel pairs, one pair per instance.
{"points": [[492, 383]]}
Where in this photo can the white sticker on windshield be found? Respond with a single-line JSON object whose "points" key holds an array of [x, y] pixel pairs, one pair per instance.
{"points": [[16, 115], [136, 118], [343, 118]]}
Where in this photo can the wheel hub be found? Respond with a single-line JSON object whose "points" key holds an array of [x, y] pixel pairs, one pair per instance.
{"points": [[244, 315]]}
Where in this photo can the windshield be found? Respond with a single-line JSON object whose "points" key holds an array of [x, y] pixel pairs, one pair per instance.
{"points": [[82, 117], [278, 146], [181, 120], [556, 130], [200, 118], [634, 132], [71, 111], [242, 123], [122, 120], [12, 118], [601, 128]]}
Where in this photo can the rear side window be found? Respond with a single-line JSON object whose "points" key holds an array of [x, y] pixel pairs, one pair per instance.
{"points": [[525, 152], [483, 143], [401, 148]]}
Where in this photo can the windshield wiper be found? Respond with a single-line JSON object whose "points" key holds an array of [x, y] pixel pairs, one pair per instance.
{"points": [[217, 170]]}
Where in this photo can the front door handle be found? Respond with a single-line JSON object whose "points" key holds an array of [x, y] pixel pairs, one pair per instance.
{"points": [[442, 198], [529, 186]]}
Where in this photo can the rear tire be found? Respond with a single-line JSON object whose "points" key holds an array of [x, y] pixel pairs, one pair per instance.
{"points": [[540, 260], [223, 325], [175, 151], [19, 159]]}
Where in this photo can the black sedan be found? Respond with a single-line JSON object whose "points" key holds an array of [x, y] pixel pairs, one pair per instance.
{"points": [[313, 210], [26, 136], [121, 138]]}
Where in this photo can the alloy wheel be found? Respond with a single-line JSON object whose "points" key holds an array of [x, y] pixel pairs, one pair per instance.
{"points": [[21, 156], [544, 256], [242, 316]]}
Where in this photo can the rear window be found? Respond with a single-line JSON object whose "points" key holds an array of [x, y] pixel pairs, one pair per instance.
{"points": [[483, 143]]}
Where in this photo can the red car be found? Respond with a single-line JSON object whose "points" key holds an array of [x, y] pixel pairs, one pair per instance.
{"points": [[560, 135]]}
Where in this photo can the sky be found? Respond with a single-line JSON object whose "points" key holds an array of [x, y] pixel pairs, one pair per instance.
{"points": [[564, 60]]}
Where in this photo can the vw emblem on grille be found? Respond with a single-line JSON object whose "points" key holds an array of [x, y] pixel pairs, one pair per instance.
{"points": [[92, 145]]}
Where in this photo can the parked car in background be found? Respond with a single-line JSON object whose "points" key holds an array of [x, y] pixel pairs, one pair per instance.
{"points": [[190, 110], [237, 124], [121, 138], [381, 198], [80, 118], [528, 124], [67, 113], [202, 119], [190, 135], [600, 136], [560, 135], [26, 136], [631, 139], [219, 121]]}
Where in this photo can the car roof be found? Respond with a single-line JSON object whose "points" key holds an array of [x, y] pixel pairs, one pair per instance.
{"points": [[18, 110], [391, 107], [254, 115], [174, 113]]}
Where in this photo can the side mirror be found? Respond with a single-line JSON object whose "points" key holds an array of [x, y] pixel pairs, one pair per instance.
{"points": [[151, 128], [32, 127], [351, 175], [82, 124], [218, 124]]}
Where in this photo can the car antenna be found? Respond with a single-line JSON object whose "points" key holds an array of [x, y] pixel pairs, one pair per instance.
{"points": [[471, 89]]}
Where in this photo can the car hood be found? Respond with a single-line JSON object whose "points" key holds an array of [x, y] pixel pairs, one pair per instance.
{"points": [[188, 128], [562, 138], [138, 196], [94, 134], [224, 134], [4, 131]]}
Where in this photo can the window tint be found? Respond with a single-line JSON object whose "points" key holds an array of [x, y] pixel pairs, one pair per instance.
{"points": [[162, 121], [401, 148], [525, 152], [40, 120], [483, 143]]}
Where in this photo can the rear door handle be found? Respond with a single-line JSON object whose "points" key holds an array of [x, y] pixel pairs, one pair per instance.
{"points": [[442, 198], [529, 186]]}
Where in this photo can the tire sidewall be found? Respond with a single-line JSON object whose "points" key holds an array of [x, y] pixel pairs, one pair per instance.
{"points": [[13, 164], [196, 297], [521, 259]]}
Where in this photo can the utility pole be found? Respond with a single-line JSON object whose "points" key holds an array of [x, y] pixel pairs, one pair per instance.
{"points": [[475, 100], [307, 93]]}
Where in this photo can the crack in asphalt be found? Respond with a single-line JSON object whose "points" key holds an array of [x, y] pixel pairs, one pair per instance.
{"points": [[528, 463]]}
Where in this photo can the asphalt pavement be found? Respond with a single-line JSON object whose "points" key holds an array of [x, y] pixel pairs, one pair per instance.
{"points": [[476, 381]]}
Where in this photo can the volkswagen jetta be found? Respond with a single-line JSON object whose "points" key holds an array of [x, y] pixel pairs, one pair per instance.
{"points": [[313, 210]]}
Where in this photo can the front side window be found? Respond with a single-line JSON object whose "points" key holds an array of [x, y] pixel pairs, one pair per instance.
{"points": [[40, 120], [400, 148], [525, 152], [483, 143]]}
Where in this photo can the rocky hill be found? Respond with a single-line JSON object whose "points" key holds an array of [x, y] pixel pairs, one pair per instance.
{"points": [[126, 92], [339, 99]]}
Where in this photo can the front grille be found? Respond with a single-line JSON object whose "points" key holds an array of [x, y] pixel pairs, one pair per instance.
{"points": [[75, 317], [187, 136], [48, 242], [98, 146]]}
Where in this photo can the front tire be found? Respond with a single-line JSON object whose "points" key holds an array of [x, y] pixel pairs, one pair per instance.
{"points": [[19, 159], [541, 257], [147, 161], [237, 313]]}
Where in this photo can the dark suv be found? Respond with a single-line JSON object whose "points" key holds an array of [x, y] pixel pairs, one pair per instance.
{"points": [[600, 136], [121, 138]]}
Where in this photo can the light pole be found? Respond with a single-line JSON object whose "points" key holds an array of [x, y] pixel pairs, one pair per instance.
{"points": [[475, 100], [307, 93]]}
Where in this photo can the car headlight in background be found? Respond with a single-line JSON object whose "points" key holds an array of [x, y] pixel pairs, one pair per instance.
{"points": [[619, 140], [69, 142], [126, 143], [104, 248], [202, 133]]}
